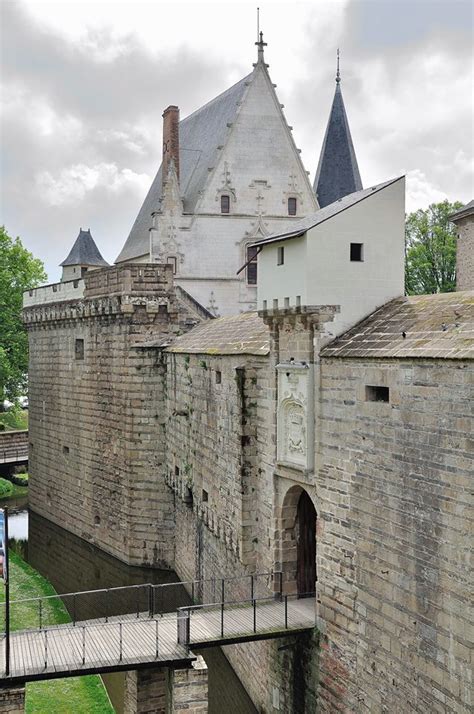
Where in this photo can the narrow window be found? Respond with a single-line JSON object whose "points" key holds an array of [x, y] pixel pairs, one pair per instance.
{"points": [[79, 349], [252, 252], [205, 495], [218, 377], [292, 206], [171, 260], [176, 470], [83, 272], [377, 394], [225, 204], [281, 255], [188, 497], [357, 253]]}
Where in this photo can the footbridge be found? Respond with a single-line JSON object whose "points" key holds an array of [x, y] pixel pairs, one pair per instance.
{"points": [[144, 626], [14, 447]]}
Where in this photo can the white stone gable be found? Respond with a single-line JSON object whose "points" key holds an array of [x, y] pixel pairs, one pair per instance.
{"points": [[259, 166]]}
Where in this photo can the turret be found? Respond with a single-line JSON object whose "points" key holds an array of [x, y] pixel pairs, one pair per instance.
{"points": [[84, 256]]}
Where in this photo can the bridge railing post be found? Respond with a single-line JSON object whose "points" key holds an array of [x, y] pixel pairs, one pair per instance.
{"points": [[107, 605], [286, 612], [156, 639], [120, 640], [222, 618], [252, 587], [45, 649], [40, 613], [184, 629], [150, 600], [83, 644], [74, 610], [255, 616], [222, 590]]}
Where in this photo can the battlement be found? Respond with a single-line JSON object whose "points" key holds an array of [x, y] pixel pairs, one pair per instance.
{"points": [[132, 279], [55, 292]]}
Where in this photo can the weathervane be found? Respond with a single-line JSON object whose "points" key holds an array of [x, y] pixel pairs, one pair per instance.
{"points": [[260, 43]]}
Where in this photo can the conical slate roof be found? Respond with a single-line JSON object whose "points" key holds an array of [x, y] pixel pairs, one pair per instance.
{"points": [[338, 173], [199, 136], [84, 251]]}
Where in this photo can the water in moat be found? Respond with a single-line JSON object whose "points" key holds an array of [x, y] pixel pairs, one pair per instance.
{"points": [[72, 564]]}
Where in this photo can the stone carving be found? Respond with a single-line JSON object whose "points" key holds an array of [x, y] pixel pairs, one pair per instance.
{"points": [[294, 415], [226, 187]]}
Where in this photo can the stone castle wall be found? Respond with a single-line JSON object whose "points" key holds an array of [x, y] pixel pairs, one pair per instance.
{"points": [[393, 536], [465, 254], [97, 412]]}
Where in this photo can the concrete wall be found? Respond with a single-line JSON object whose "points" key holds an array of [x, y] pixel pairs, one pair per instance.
{"points": [[465, 253], [320, 261]]}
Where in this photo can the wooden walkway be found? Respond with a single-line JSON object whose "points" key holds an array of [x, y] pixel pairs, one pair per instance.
{"points": [[130, 642]]}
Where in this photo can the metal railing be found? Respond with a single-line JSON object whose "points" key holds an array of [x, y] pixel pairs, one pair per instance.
{"points": [[237, 619], [138, 601], [12, 454]]}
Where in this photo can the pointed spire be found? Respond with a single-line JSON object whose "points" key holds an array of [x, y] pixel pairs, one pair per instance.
{"points": [[261, 44], [84, 251], [338, 173]]}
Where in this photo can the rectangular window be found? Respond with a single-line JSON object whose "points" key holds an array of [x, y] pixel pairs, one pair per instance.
{"points": [[252, 253], [357, 252], [280, 255], [176, 470], [225, 204], [377, 394], [65, 450], [83, 272], [205, 495], [292, 206], [218, 377], [171, 260], [79, 349]]}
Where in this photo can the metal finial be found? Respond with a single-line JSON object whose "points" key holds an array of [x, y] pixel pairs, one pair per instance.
{"points": [[258, 22], [338, 74], [260, 44]]}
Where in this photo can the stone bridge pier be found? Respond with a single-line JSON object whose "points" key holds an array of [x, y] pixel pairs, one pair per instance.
{"points": [[166, 691], [12, 700]]}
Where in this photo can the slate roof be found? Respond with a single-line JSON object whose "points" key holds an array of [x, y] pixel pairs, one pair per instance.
{"points": [[84, 251], [337, 173], [239, 334], [314, 219], [199, 136], [466, 210], [436, 326]]}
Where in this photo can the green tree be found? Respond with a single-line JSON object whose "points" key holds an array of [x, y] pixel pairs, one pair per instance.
{"points": [[19, 271], [430, 250]]}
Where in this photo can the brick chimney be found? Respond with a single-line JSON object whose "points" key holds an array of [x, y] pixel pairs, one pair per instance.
{"points": [[170, 139]]}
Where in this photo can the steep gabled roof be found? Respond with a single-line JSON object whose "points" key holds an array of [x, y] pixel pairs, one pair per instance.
{"points": [[338, 173], [199, 136], [84, 251], [314, 219]]}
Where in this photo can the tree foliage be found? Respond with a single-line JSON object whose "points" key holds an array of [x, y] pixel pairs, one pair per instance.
{"points": [[19, 271], [430, 250]]}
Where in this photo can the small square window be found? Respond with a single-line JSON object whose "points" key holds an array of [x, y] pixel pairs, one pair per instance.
{"points": [[292, 206], [357, 252], [377, 394], [225, 204], [280, 255], [218, 377], [79, 349], [65, 450]]}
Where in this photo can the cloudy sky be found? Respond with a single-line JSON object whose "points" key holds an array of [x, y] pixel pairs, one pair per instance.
{"points": [[84, 85]]}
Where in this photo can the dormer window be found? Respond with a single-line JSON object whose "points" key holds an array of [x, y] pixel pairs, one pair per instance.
{"points": [[225, 204], [292, 206]]}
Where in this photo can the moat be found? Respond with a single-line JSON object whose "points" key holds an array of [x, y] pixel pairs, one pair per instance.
{"points": [[72, 564]]}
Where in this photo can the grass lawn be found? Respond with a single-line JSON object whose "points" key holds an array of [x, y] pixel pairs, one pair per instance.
{"points": [[14, 419], [74, 695]]}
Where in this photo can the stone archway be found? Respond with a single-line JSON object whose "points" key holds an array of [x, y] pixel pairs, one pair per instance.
{"points": [[297, 530]]}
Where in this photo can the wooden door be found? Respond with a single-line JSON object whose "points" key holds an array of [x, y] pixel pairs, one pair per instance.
{"points": [[306, 546]]}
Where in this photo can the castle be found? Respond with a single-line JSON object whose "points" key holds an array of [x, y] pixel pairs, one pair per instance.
{"points": [[327, 436]]}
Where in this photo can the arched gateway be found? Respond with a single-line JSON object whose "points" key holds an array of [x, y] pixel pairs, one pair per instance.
{"points": [[297, 530]]}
